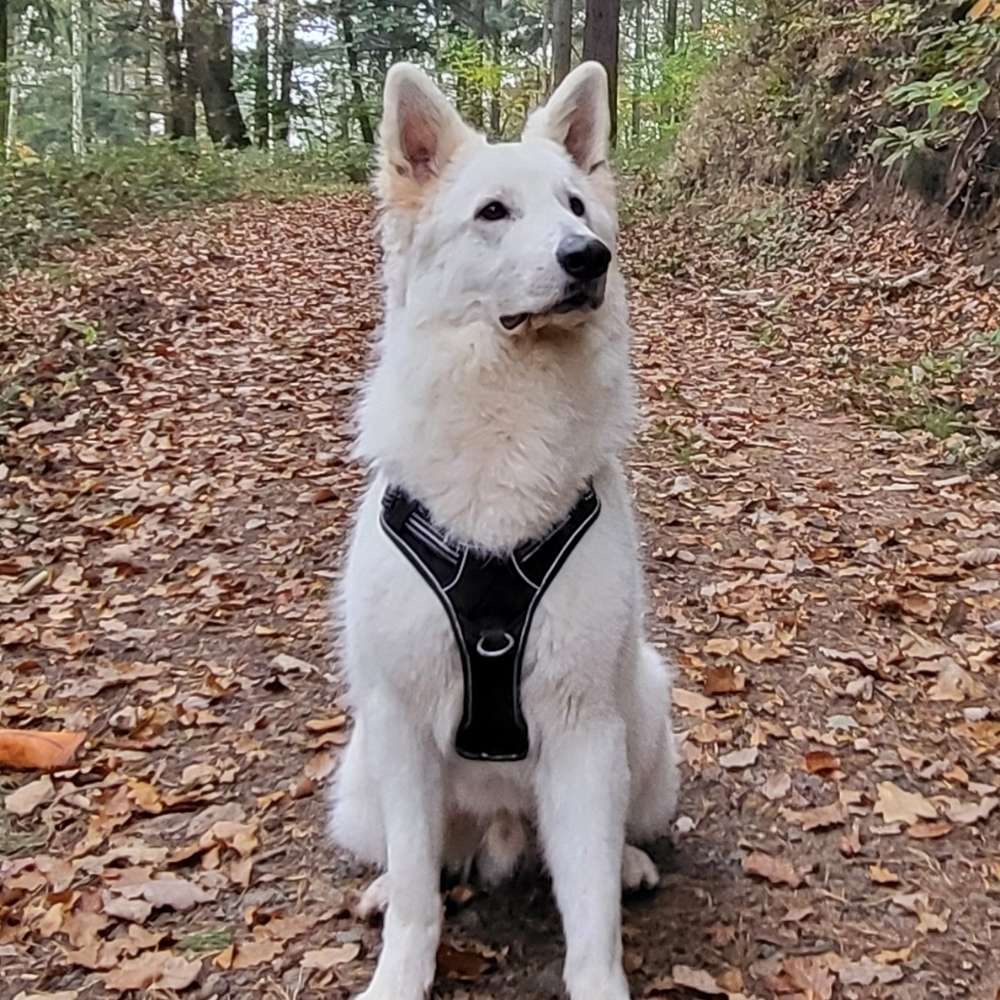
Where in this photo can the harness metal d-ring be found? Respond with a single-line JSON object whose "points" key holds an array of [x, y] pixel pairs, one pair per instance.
{"points": [[489, 653]]}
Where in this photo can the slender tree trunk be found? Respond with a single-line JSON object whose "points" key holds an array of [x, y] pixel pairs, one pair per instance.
{"points": [[286, 64], [5, 53], [474, 87], [360, 111], [146, 20], [638, 61], [600, 42], [546, 44], [16, 28], [210, 59], [562, 39], [76, 77], [495, 90], [180, 117], [262, 88], [697, 15], [670, 26]]}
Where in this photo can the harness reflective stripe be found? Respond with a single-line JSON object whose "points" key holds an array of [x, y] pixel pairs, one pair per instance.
{"points": [[490, 601]]}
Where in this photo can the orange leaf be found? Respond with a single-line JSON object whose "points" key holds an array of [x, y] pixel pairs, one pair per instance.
{"points": [[26, 750]]}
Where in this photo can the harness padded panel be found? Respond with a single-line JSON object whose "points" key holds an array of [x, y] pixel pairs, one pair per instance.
{"points": [[490, 601]]}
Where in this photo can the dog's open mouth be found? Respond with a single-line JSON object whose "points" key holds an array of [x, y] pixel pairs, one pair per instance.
{"points": [[585, 296]]}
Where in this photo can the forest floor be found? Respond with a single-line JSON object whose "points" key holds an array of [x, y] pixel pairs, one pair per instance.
{"points": [[176, 493]]}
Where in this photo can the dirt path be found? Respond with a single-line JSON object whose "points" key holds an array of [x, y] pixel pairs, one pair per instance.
{"points": [[171, 528]]}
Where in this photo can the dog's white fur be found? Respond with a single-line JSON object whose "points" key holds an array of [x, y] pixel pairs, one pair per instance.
{"points": [[497, 433]]}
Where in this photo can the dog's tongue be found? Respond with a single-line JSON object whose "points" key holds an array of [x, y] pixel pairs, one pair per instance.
{"points": [[513, 322]]}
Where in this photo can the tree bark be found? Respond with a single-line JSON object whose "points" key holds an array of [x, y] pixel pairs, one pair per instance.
{"points": [[600, 42], [286, 64], [146, 21], [638, 60], [562, 39], [697, 15], [495, 90], [670, 26], [262, 82], [210, 60], [180, 117], [4, 77], [360, 111], [76, 77]]}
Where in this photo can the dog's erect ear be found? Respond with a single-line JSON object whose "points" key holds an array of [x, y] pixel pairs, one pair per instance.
{"points": [[420, 133], [577, 116]]}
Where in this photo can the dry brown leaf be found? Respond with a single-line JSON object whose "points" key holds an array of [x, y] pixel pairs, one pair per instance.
{"points": [[161, 970], [29, 797], [35, 750], [821, 762], [811, 974], [866, 973], [739, 759], [819, 818], [690, 701], [882, 876], [170, 893], [698, 980], [329, 958], [777, 786], [465, 966], [777, 871], [895, 805], [724, 680]]}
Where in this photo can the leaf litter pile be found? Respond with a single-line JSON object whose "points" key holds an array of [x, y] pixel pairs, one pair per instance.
{"points": [[177, 486]]}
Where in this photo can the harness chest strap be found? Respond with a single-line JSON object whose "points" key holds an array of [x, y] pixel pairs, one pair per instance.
{"points": [[490, 601]]}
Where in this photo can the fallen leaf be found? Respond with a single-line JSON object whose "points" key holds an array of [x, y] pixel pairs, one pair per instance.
{"points": [[29, 797], [882, 876], [896, 805], [465, 966], [821, 762], [777, 786], [698, 980], [739, 759], [329, 958], [866, 973], [696, 704], [35, 750], [819, 818], [777, 871], [723, 680], [161, 970]]}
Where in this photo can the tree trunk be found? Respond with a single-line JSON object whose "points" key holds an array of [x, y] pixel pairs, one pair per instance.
{"points": [[286, 63], [76, 77], [475, 87], [670, 26], [4, 78], [697, 15], [180, 114], [360, 111], [638, 60], [562, 39], [262, 83], [210, 60], [600, 42], [546, 44], [146, 20], [495, 90]]}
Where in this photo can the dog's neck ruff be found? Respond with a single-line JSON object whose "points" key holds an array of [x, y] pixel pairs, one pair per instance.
{"points": [[490, 601]]}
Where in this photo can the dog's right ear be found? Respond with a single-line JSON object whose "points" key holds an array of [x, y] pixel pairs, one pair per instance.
{"points": [[420, 134]]}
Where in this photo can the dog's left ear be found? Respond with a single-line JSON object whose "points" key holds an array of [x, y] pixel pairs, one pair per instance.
{"points": [[577, 116], [420, 134]]}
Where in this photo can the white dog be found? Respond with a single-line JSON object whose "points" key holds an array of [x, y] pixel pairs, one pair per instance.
{"points": [[494, 425]]}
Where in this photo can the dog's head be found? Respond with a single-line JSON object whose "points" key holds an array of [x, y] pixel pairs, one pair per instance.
{"points": [[516, 236]]}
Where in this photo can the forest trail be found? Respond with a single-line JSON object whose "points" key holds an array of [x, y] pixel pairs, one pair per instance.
{"points": [[175, 505]]}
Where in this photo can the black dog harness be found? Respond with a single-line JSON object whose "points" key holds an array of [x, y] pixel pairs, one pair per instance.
{"points": [[490, 601]]}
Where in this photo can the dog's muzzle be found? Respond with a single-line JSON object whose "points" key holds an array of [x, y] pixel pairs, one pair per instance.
{"points": [[578, 295]]}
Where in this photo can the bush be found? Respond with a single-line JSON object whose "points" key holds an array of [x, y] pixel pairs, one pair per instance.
{"points": [[45, 203]]}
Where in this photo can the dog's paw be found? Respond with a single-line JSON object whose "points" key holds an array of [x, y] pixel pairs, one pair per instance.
{"points": [[638, 870], [375, 899]]}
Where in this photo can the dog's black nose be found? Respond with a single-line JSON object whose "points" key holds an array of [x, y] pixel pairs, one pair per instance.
{"points": [[583, 257]]}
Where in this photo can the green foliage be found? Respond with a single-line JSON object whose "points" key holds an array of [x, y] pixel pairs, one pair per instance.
{"points": [[47, 202]]}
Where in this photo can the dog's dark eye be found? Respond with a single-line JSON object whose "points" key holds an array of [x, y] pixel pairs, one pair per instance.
{"points": [[576, 206], [494, 211]]}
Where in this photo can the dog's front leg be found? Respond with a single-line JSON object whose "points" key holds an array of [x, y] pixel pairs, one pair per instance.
{"points": [[408, 771], [582, 800]]}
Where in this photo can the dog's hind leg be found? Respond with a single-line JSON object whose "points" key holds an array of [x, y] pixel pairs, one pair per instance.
{"points": [[356, 815], [652, 753], [502, 848]]}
